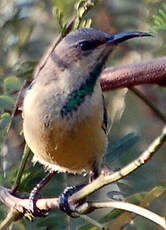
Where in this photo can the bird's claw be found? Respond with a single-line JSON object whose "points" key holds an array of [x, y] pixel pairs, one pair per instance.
{"points": [[63, 200], [34, 210]]}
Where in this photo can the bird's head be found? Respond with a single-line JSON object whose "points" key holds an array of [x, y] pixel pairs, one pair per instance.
{"points": [[81, 53], [88, 47]]}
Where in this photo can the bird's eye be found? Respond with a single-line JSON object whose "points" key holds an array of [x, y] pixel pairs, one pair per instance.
{"points": [[88, 45]]}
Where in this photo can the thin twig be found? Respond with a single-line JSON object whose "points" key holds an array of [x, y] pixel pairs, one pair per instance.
{"points": [[14, 202], [12, 115], [24, 159], [106, 178], [158, 113], [131, 208], [12, 216], [51, 203]]}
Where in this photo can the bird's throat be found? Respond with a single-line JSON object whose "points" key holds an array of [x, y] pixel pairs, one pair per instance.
{"points": [[77, 97]]}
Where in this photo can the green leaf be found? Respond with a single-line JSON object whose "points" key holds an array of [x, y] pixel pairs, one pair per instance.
{"points": [[59, 16], [1, 179], [29, 179], [25, 69], [162, 13], [87, 23], [4, 120], [159, 19], [88, 227], [82, 8], [6, 103], [12, 83], [20, 225], [164, 7], [121, 218]]}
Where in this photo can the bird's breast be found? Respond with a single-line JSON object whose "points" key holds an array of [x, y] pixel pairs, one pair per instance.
{"points": [[66, 143]]}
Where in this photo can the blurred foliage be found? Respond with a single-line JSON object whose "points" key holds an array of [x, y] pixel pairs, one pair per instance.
{"points": [[160, 19], [26, 29], [117, 148]]}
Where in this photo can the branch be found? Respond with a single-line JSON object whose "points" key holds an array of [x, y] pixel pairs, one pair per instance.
{"points": [[22, 205], [24, 159], [106, 177], [157, 112], [130, 208], [12, 216], [153, 72], [149, 72]]}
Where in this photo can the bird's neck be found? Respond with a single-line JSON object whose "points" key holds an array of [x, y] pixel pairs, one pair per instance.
{"points": [[78, 96]]}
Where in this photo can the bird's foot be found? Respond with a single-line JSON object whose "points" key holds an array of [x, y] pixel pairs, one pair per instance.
{"points": [[63, 200], [34, 210], [34, 196], [94, 173]]}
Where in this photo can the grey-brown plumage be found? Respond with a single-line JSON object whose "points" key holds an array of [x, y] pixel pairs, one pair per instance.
{"points": [[64, 118]]}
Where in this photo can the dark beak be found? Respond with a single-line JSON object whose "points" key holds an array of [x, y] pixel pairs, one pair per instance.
{"points": [[118, 38]]}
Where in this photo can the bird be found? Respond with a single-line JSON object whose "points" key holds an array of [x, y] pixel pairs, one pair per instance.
{"points": [[64, 115]]}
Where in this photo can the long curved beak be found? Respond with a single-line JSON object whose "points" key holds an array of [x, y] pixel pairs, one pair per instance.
{"points": [[118, 38]]}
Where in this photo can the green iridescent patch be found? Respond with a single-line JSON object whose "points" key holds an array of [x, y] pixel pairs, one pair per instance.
{"points": [[77, 97]]}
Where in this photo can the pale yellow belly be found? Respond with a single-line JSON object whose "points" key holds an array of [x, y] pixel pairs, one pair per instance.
{"points": [[72, 150]]}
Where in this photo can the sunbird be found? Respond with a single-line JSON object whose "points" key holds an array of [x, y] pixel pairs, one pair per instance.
{"points": [[64, 116]]}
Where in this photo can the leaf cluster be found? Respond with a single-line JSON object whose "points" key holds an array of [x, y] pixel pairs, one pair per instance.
{"points": [[159, 19]]}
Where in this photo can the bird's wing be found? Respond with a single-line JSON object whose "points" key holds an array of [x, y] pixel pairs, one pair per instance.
{"points": [[105, 117]]}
